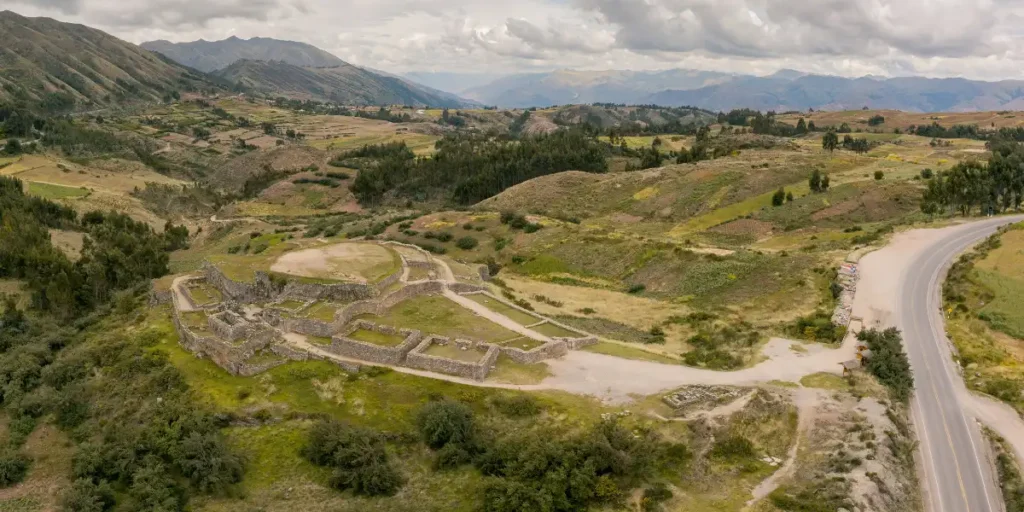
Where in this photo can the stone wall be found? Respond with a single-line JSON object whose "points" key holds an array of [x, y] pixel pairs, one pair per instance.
{"points": [[247, 369], [389, 280], [462, 288], [342, 292], [229, 325], [289, 352], [347, 347], [160, 297], [260, 290], [551, 349], [418, 359], [225, 354]]}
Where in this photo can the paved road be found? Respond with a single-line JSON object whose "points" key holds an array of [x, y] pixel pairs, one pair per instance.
{"points": [[957, 474]]}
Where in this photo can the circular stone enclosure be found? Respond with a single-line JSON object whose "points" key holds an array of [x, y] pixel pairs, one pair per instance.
{"points": [[350, 261]]}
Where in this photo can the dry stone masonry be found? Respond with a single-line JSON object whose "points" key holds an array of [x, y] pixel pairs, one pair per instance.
{"points": [[246, 338]]}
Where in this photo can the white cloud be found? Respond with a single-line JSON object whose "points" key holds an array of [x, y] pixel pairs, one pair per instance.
{"points": [[972, 38]]}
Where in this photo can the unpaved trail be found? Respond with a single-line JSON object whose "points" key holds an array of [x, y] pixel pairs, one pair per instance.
{"points": [[1001, 418], [181, 302], [616, 379], [492, 316], [806, 401]]}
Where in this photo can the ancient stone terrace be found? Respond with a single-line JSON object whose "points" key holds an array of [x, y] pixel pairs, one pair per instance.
{"points": [[249, 327]]}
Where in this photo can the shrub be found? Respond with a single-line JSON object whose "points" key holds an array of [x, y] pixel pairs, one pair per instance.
{"points": [[452, 456], [588, 311], [468, 226], [879, 175], [445, 422], [356, 454], [888, 362], [466, 243], [732, 447], [927, 174], [13, 466], [84, 495], [779, 197], [516, 406], [636, 288], [444, 236]]}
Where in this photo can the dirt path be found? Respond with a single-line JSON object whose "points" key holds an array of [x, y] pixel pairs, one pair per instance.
{"points": [[618, 380], [181, 302], [492, 316], [806, 401], [1001, 418]]}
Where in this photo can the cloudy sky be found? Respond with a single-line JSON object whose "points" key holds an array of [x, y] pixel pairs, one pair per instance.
{"points": [[981, 39]]}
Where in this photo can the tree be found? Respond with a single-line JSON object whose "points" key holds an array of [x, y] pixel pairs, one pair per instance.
{"points": [[789, 197], [444, 422], [811, 127], [356, 454], [879, 175], [814, 182], [13, 147], [779, 198], [801, 127], [830, 141], [876, 120]]}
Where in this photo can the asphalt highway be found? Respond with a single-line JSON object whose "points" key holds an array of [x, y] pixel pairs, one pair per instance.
{"points": [[957, 475]]}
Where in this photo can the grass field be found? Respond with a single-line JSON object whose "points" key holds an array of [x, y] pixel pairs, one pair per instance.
{"points": [[438, 315], [553, 330], [52, 191], [377, 338], [499, 307], [204, 294], [451, 351]]}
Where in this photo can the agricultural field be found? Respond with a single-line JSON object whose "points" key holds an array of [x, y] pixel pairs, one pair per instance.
{"points": [[858, 119], [986, 323]]}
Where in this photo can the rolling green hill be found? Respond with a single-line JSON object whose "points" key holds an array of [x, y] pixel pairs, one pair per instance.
{"points": [[59, 66], [347, 84]]}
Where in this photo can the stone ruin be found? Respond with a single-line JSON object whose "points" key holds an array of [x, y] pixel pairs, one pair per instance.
{"points": [[245, 339], [847, 279]]}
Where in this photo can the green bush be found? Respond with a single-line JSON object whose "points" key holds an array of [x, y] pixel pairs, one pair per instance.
{"points": [[733, 447], [888, 361], [13, 466], [636, 288], [446, 421], [444, 236], [466, 243], [516, 406], [84, 495], [357, 456], [879, 175]]}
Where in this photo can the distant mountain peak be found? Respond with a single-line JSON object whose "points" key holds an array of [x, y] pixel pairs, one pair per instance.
{"points": [[210, 56]]}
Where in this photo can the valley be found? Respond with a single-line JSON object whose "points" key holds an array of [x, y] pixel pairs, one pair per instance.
{"points": [[257, 277]]}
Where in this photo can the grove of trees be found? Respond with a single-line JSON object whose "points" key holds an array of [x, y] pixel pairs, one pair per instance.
{"points": [[973, 186], [469, 168]]}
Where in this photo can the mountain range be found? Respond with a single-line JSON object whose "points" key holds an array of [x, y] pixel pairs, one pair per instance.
{"points": [[781, 91], [345, 84], [300, 71], [210, 56], [64, 66]]}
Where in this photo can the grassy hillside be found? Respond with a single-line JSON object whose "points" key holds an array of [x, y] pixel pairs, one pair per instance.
{"points": [[62, 66], [344, 84]]}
